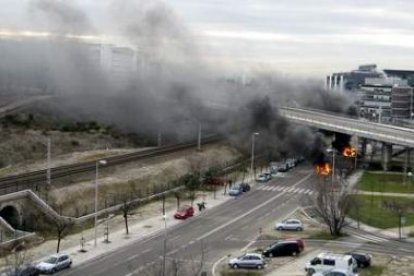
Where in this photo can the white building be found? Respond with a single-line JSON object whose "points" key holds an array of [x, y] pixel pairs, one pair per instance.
{"points": [[119, 63]]}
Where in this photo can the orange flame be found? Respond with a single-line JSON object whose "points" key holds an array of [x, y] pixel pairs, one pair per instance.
{"points": [[323, 169], [349, 151]]}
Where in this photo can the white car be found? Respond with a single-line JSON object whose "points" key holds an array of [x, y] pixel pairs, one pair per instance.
{"points": [[54, 263], [264, 177], [327, 262], [335, 272], [289, 224]]}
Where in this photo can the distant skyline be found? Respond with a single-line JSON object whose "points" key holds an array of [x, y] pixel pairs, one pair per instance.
{"points": [[310, 38]]}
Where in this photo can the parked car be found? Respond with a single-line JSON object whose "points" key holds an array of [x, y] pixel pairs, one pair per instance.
{"points": [[335, 272], [236, 190], [279, 167], [264, 177], [278, 174], [284, 248], [245, 186], [289, 224], [184, 212], [54, 263], [218, 181], [248, 260], [25, 270], [291, 163], [274, 166], [362, 259], [329, 261]]}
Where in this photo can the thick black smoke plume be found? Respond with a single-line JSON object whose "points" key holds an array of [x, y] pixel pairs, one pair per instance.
{"points": [[172, 90]]}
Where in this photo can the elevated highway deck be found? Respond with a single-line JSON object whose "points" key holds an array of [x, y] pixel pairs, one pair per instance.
{"points": [[364, 129]]}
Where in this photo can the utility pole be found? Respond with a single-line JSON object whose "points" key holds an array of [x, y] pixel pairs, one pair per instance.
{"points": [[199, 137], [159, 137], [164, 245], [252, 157], [48, 172]]}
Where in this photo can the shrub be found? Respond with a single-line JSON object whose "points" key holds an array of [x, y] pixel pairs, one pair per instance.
{"points": [[75, 143]]}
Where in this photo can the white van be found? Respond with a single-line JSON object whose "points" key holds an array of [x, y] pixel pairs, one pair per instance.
{"points": [[328, 261]]}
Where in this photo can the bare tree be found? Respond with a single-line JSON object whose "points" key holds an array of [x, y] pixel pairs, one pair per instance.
{"points": [[126, 208], [400, 209], [62, 227], [333, 206], [177, 195], [15, 258], [129, 202]]}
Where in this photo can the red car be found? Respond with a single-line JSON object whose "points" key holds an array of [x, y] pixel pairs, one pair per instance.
{"points": [[184, 212], [218, 181]]}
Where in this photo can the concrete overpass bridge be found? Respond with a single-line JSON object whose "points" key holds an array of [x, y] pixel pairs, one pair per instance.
{"points": [[387, 134]]}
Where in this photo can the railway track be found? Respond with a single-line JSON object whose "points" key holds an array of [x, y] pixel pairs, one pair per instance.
{"points": [[23, 181]]}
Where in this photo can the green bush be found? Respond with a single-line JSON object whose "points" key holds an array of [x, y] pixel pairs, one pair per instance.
{"points": [[74, 143]]}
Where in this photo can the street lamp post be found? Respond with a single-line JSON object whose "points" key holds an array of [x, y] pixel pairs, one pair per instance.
{"points": [[102, 162], [199, 137], [159, 141], [252, 157], [48, 172], [164, 245]]}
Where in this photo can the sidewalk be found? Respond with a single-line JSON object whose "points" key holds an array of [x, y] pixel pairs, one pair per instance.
{"points": [[361, 192], [390, 233]]}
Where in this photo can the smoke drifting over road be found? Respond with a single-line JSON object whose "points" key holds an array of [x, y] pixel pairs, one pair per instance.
{"points": [[172, 90]]}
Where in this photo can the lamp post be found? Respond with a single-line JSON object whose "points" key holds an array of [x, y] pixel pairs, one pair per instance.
{"points": [[164, 245], [332, 151], [252, 158], [159, 141], [48, 172], [102, 162], [199, 137]]}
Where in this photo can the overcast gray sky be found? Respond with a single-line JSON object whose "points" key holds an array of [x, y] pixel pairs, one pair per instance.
{"points": [[309, 37]]}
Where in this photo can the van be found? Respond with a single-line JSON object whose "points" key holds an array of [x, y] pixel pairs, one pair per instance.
{"points": [[328, 261], [284, 248]]}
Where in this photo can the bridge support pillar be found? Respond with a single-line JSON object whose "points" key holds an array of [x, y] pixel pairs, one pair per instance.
{"points": [[386, 155], [364, 143], [407, 164]]}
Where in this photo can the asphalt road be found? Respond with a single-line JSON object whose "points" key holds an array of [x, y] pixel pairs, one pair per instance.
{"points": [[223, 230], [216, 233]]}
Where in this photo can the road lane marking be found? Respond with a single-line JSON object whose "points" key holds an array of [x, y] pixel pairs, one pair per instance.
{"points": [[213, 269], [251, 210], [173, 251], [173, 239], [247, 246]]}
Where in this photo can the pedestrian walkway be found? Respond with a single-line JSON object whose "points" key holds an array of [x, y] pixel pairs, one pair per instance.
{"points": [[269, 188], [360, 192], [377, 234]]}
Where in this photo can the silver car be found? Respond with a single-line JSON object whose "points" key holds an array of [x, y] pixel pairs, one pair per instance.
{"points": [[248, 260], [54, 263], [289, 224]]}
